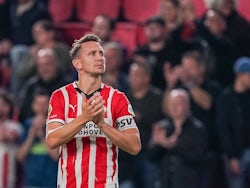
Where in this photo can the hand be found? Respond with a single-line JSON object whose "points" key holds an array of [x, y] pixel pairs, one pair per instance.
{"points": [[93, 108], [159, 134], [234, 166], [171, 75]]}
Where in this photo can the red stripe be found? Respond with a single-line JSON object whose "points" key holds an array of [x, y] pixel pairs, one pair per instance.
{"points": [[114, 160], [85, 161], [71, 174], [5, 170], [101, 162]]}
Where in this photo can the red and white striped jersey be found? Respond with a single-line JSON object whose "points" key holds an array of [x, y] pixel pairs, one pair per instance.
{"points": [[8, 154], [89, 160]]}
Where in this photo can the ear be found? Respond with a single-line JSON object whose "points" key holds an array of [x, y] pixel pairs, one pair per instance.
{"points": [[77, 64]]}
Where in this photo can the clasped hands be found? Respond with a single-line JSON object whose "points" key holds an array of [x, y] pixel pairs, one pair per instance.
{"points": [[93, 109]]}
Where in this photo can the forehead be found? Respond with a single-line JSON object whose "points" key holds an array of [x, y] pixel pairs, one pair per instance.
{"points": [[91, 46]]}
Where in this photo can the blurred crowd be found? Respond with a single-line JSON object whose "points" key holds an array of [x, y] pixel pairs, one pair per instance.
{"points": [[188, 83]]}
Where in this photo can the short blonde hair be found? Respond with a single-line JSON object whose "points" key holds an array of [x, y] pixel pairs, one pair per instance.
{"points": [[77, 44]]}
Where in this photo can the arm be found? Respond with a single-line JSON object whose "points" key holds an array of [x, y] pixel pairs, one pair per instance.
{"points": [[24, 149], [201, 97], [58, 134], [128, 140]]}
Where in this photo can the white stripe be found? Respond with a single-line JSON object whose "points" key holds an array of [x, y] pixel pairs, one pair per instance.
{"points": [[55, 120], [66, 100], [109, 143], [78, 163], [79, 146], [62, 176], [109, 100], [92, 160]]}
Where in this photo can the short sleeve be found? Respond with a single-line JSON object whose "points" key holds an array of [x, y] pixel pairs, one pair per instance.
{"points": [[123, 112], [56, 111]]}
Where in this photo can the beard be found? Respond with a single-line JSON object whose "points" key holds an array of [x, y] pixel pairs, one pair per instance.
{"points": [[155, 39]]}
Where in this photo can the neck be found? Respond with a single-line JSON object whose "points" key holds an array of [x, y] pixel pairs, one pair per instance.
{"points": [[156, 46], [239, 87], [89, 84]]}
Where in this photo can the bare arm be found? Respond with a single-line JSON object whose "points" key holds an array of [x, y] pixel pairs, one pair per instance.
{"points": [[128, 140], [201, 97], [58, 134]]}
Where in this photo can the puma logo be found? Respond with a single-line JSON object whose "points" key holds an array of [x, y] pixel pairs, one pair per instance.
{"points": [[72, 107]]}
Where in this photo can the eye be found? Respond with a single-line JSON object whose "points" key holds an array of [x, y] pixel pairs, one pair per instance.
{"points": [[101, 53]]}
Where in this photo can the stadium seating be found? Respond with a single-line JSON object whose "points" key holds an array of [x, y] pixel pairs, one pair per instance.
{"points": [[199, 7], [244, 8], [71, 31], [139, 11], [87, 10], [126, 33], [61, 11]]}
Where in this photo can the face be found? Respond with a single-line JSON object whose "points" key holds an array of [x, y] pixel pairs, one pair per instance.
{"points": [[245, 77], [101, 28], [40, 104], [113, 59], [215, 23], [47, 67], [192, 69], [91, 59], [178, 106], [41, 36], [168, 11], [4, 109], [154, 32], [138, 78], [227, 7]]}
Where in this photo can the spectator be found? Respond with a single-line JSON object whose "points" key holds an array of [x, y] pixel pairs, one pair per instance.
{"points": [[238, 28], [10, 132], [23, 14], [103, 27], [169, 10], [44, 35], [211, 29], [146, 101], [179, 143], [49, 76], [114, 75], [203, 94], [157, 50], [233, 121], [34, 154]]}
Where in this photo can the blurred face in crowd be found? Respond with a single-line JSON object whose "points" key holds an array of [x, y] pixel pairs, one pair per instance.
{"points": [[154, 32], [138, 77], [177, 104], [47, 65], [168, 10], [227, 7], [41, 36], [192, 69], [245, 79], [113, 58], [40, 104], [101, 27], [4, 108], [215, 23]]}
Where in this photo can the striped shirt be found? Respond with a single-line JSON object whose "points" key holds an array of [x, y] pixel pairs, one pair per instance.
{"points": [[89, 160]]}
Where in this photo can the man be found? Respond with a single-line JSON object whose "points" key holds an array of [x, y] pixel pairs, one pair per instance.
{"points": [[48, 76], [179, 143], [158, 50], [233, 121], [33, 152], [90, 121]]}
